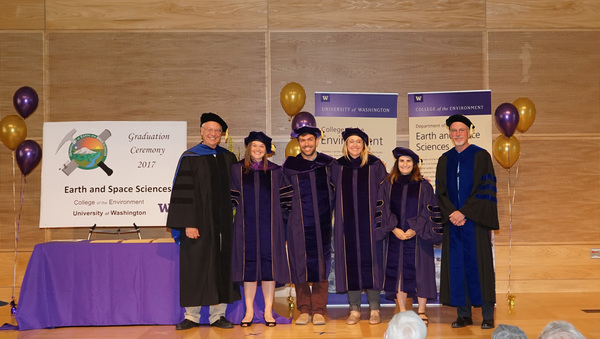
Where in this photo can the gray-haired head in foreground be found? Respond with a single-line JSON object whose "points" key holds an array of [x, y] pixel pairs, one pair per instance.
{"points": [[504, 331], [406, 325], [560, 330]]}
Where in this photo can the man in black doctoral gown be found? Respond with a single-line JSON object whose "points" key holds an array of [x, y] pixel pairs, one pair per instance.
{"points": [[466, 192], [201, 220]]}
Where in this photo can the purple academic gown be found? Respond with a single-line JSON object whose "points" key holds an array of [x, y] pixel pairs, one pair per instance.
{"points": [[258, 231], [410, 205], [309, 221], [358, 242]]}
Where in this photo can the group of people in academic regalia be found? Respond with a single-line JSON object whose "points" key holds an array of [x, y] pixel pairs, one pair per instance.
{"points": [[382, 227]]}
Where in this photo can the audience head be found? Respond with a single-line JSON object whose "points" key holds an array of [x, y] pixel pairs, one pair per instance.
{"points": [[504, 331], [406, 325], [560, 330]]}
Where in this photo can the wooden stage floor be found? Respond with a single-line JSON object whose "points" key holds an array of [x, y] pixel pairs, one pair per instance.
{"points": [[531, 313]]}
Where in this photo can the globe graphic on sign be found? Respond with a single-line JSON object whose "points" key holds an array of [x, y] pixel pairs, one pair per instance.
{"points": [[87, 151]]}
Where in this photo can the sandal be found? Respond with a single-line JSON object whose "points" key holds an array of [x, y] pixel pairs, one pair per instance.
{"points": [[424, 317], [246, 323]]}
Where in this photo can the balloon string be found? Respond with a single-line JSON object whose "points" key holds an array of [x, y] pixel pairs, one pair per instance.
{"points": [[15, 226], [18, 224], [509, 233]]}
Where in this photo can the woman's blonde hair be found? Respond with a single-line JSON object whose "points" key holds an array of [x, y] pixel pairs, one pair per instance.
{"points": [[364, 154]]}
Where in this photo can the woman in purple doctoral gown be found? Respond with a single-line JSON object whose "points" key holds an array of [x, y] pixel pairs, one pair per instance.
{"points": [[258, 231], [357, 241], [411, 214]]}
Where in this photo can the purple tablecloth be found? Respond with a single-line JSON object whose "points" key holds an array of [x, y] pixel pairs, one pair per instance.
{"points": [[104, 284]]}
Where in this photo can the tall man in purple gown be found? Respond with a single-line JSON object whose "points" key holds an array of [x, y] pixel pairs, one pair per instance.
{"points": [[466, 192], [202, 222], [309, 225]]}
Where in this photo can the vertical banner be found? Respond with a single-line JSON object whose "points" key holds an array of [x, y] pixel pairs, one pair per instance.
{"points": [[109, 173], [374, 113], [428, 133]]}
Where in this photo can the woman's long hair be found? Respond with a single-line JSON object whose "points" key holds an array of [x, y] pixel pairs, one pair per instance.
{"points": [[364, 154], [394, 175], [248, 159]]}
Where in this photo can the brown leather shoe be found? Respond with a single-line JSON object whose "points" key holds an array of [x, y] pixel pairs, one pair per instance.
{"points": [[318, 319], [303, 319]]}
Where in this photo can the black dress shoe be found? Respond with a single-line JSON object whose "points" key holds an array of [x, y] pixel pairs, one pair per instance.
{"points": [[462, 322], [487, 324], [222, 323], [186, 324]]}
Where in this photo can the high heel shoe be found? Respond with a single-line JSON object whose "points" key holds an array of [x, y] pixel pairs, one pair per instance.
{"points": [[246, 323], [270, 323]]}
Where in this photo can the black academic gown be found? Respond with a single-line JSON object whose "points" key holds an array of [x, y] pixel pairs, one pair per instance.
{"points": [[467, 258], [200, 198]]}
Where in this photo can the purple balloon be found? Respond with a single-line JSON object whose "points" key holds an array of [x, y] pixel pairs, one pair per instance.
{"points": [[25, 101], [507, 118], [302, 119], [29, 154]]}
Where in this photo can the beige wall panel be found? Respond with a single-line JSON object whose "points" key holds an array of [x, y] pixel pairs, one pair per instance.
{"points": [[21, 211], [20, 65], [547, 261], [376, 14], [22, 14], [545, 208], [547, 268], [373, 62], [547, 14], [565, 285], [158, 76], [156, 14], [558, 71], [7, 266]]}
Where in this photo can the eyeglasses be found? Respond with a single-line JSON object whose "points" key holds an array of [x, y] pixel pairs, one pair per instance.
{"points": [[212, 130]]}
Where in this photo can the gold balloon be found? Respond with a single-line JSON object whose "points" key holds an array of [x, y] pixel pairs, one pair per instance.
{"points": [[13, 131], [526, 110], [292, 149], [292, 98], [506, 150]]}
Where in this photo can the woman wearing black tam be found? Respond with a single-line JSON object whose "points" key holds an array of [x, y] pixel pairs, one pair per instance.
{"points": [[259, 253], [358, 242], [411, 214]]}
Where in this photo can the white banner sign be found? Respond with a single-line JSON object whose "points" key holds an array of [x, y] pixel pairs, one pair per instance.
{"points": [[374, 113], [428, 133], [109, 173]]}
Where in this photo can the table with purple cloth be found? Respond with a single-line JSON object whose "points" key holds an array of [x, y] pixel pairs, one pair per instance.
{"points": [[107, 284]]}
